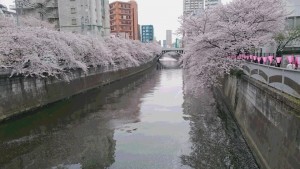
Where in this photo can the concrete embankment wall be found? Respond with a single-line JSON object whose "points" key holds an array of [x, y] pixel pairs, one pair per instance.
{"points": [[268, 119], [20, 94]]}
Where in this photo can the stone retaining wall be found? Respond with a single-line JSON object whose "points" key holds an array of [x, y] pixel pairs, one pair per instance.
{"points": [[20, 94], [268, 118]]}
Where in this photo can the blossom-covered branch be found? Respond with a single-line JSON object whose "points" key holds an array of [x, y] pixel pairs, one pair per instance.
{"points": [[33, 49], [227, 30]]}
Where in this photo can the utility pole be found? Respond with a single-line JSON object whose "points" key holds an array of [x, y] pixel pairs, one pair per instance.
{"points": [[18, 4], [19, 8]]}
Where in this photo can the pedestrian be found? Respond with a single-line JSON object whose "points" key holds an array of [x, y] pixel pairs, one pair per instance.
{"points": [[273, 63], [290, 66]]}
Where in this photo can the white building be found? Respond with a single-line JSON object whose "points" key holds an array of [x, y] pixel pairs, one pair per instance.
{"points": [[293, 21], [191, 6], [210, 3], [169, 38], [5, 12], [81, 16]]}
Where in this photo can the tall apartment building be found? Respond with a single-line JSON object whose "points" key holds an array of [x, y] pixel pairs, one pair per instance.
{"points": [[124, 19], [169, 38], [293, 22], [293, 6], [81, 16], [147, 33], [191, 6]]}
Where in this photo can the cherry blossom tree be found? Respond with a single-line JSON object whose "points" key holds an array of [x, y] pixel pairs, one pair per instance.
{"points": [[35, 49], [211, 36]]}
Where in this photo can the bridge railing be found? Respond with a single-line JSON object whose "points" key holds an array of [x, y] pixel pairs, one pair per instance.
{"points": [[177, 50], [285, 80]]}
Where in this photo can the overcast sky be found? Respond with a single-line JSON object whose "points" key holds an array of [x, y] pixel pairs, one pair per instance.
{"points": [[162, 14]]}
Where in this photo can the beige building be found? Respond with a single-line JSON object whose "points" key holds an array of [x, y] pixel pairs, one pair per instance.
{"points": [[124, 19], [80, 16]]}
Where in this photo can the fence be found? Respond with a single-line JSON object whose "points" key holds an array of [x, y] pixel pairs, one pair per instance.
{"points": [[287, 81]]}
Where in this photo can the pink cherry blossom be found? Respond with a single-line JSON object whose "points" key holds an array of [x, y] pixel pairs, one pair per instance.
{"points": [[36, 49], [239, 27]]}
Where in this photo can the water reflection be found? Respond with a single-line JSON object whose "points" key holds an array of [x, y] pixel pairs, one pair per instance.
{"points": [[143, 122], [168, 62], [78, 132], [216, 139]]}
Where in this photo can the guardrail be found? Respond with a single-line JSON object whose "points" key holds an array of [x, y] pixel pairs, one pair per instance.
{"points": [[286, 80]]}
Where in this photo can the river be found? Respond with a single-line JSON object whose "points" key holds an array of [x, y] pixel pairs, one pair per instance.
{"points": [[145, 122]]}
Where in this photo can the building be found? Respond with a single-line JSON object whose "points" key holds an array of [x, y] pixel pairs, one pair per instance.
{"points": [[178, 43], [164, 43], [124, 19], [159, 42], [147, 33], [192, 6], [293, 22], [81, 16], [5, 12], [86, 16], [211, 3], [169, 38]]}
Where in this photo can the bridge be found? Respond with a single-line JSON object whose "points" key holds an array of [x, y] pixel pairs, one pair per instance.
{"points": [[285, 80], [176, 50]]}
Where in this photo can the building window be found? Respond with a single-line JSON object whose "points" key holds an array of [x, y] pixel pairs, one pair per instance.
{"points": [[290, 22], [298, 22], [74, 22], [73, 10]]}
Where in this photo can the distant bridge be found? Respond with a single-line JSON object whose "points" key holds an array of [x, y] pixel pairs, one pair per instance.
{"points": [[176, 50]]}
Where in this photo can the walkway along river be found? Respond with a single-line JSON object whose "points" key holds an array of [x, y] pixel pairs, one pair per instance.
{"points": [[145, 122]]}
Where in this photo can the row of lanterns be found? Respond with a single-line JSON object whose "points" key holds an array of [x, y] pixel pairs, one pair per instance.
{"points": [[292, 59]]}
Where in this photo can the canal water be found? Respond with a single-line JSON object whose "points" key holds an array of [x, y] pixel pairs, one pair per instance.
{"points": [[144, 122]]}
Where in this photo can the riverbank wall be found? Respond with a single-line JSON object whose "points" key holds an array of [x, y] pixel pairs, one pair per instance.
{"points": [[268, 118], [19, 94]]}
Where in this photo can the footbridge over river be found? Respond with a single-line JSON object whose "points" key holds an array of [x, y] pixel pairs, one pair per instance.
{"points": [[179, 51]]}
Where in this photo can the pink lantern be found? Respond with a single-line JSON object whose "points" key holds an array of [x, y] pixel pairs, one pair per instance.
{"points": [[297, 59], [270, 58], [258, 59], [247, 57], [251, 57], [290, 59], [265, 59], [254, 57], [278, 59]]}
